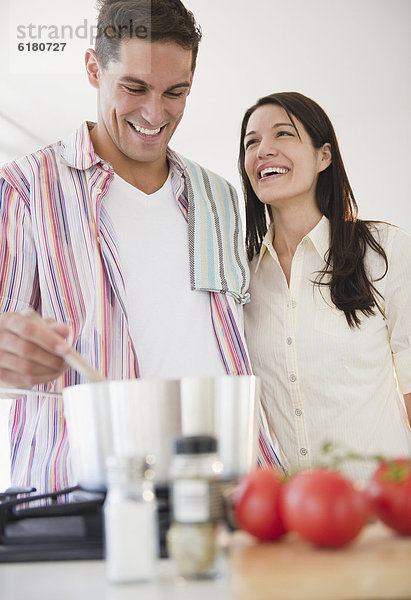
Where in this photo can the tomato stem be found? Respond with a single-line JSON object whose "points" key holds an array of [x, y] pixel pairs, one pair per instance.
{"points": [[396, 472], [337, 455]]}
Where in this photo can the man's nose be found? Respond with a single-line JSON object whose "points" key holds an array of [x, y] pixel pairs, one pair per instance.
{"points": [[152, 111]]}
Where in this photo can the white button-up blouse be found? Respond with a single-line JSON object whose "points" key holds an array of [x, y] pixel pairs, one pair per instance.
{"points": [[321, 380]]}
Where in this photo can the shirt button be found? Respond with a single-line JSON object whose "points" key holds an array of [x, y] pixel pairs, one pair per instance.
{"points": [[98, 190], [98, 239], [298, 412], [289, 341], [293, 377], [293, 304], [105, 167], [303, 451]]}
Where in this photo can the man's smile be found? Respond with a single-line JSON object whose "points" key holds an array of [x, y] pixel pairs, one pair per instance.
{"points": [[144, 131]]}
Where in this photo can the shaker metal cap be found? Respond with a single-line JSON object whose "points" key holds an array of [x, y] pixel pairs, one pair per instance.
{"points": [[129, 468], [195, 444]]}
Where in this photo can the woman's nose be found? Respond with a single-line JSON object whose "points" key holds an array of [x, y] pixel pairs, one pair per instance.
{"points": [[267, 147]]}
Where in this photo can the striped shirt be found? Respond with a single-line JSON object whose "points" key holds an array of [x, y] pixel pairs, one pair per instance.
{"points": [[59, 254], [321, 380]]}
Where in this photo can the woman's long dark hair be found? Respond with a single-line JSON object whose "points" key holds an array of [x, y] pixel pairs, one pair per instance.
{"points": [[350, 288]]}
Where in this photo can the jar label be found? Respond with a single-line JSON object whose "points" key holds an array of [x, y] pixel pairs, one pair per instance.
{"points": [[195, 501]]}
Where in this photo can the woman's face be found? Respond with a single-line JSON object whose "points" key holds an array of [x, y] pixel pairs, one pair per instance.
{"points": [[282, 167]]}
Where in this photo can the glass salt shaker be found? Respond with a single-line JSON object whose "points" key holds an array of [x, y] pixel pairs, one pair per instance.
{"points": [[196, 506], [130, 522]]}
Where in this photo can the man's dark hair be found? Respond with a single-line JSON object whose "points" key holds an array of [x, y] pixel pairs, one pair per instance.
{"points": [[152, 20]]}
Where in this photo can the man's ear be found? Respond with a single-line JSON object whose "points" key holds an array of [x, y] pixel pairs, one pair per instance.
{"points": [[325, 156], [92, 68]]}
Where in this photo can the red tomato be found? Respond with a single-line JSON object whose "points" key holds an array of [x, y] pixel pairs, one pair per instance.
{"points": [[324, 507], [389, 490], [256, 504]]}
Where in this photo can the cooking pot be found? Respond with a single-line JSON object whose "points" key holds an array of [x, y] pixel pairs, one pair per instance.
{"points": [[144, 416]]}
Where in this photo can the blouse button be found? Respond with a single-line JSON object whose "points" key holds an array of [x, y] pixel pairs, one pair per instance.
{"points": [[293, 377], [303, 451]]}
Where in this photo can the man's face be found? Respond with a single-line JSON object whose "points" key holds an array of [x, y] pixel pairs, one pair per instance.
{"points": [[141, 98]]}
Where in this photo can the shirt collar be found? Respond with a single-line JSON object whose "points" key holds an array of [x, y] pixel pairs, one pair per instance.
{"points": [[319, 236], [176, 163], [78, 150], [266, 244]]}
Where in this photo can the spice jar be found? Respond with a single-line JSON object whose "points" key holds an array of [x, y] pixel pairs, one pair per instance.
{"points": [[130, 523], [196, 508]]}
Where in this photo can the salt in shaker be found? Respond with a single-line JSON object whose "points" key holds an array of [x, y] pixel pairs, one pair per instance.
{"points": [[130, 523]]}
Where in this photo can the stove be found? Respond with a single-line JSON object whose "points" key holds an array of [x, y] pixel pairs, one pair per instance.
{"points": [[57, 526], [63, 525]]}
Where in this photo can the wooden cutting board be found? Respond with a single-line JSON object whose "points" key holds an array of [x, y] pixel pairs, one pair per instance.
{"points": [[377, 565]]}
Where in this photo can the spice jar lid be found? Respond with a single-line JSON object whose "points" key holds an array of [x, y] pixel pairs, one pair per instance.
{"points": [[195, 444]]}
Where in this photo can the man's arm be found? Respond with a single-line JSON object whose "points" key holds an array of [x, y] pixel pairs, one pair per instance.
{"points": [[30, 351]]}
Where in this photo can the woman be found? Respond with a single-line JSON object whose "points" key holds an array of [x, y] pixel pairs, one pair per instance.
{"points": [[329, 323]]}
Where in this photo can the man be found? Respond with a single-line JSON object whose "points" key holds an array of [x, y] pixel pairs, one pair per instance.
{"points": [[124, 247]]}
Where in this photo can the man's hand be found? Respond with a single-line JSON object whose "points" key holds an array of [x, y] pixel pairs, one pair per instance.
{"points": [[31, 350]]}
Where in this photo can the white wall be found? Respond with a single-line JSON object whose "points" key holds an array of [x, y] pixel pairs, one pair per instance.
{"points": [[351, 56]]}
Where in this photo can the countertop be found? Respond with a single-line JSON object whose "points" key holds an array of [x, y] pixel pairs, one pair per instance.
{"points": [[377, 565], [86, 580]]}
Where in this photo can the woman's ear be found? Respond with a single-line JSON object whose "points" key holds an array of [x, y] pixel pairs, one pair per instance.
{"points": [[325, 156]]}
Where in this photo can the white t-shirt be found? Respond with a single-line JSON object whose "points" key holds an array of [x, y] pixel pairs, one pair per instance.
{"points": [[170, 324]]}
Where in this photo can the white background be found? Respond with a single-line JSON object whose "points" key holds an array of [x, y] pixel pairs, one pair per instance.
{"points": [[351, 56]]}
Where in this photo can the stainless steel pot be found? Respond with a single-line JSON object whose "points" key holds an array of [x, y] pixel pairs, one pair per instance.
{"points": [[144, 416]]}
